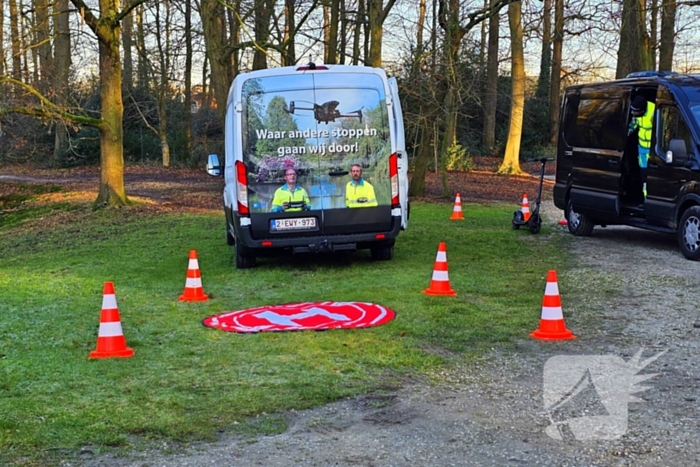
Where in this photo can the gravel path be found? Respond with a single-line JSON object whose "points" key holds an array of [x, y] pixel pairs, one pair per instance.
{"points": [[630, 290]]}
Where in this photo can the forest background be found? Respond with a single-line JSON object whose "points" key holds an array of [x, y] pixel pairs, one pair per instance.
{"points": [[113, 82]]}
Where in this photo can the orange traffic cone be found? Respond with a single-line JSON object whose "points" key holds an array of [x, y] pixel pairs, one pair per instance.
{"points": [[457, 211], [525, 208], [193, 286], [110, 339], [552, 325], [440, 283]]}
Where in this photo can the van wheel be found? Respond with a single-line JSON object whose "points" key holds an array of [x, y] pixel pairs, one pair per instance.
{"points": [[579, 224], [535, 223], [382, 251], [245, 258], [689, 233]]}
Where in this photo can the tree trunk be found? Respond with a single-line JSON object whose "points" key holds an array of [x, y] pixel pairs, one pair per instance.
{"points": [[212, 25], [425, 149], [488, 136], [142, 70], [2, 49], [289, 55], [555, 81], [633, 53], [511, 159], [187, 120], [62, 63], [653, 31], [127, 43], [357, 33], [343, 44], [112, 192], [15, 44], [543, 87], [332, 44], [668, 35], [43, 44], [263, 13]]}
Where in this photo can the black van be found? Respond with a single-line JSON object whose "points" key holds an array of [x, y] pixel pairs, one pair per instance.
{"points": [[598, 177]]}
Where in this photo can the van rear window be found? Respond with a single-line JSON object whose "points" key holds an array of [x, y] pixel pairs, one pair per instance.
{"points": [[597, 124]]}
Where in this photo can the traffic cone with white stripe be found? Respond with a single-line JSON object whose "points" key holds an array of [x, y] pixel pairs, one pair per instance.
{"points": [[440, 283], [552, 327], [525, 209], [457, 210], [110, 340], [193, 285]]}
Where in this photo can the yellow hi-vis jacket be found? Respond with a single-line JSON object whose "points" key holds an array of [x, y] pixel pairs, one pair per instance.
{"points": [[644, 123], [360, 194], [284, 195]]}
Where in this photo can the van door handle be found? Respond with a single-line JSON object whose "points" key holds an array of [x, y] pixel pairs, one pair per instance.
{"points": [[654, 166], [612, 161]]}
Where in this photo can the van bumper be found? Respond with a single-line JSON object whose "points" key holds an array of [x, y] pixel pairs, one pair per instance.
{"points": [[320, 243]]}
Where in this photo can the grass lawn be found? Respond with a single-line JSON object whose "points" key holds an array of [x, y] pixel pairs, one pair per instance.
{"points": [[188, 382]]}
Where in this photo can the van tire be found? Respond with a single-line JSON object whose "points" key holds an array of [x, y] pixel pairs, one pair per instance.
{"points": [[689, 233], [382, 252], [579, 224], [245, 258]]}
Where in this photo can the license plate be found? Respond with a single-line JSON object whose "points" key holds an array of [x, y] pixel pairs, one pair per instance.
{"points": [[297, 223]]}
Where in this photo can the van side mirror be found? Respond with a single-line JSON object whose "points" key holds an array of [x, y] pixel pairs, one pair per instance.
{"points": [[213, 166], [679, 152]]}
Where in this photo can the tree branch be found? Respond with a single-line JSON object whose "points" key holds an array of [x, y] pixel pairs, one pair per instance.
{"points": [[47, 109]]}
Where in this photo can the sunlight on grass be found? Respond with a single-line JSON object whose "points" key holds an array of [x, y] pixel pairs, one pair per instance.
{"points": [[187, 381]]}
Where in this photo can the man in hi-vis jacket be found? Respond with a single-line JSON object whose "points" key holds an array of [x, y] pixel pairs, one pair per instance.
{"points": [[358, 192], [642, 120]]}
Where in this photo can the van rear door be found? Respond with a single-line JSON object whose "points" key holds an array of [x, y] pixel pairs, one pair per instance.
{"points": [[355, 132], [400, 143]]}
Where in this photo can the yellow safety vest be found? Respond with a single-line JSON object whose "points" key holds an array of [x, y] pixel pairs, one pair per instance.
{"points": [[360, 195], [285, 195], [644, 123]]}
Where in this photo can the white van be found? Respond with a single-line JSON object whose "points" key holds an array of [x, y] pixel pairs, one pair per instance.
{"points": [[317, 121]]}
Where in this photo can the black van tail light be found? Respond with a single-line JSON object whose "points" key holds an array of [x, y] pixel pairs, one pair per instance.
{"points": [[242, 189], [267, 243], [394, 178], [380, 236]]}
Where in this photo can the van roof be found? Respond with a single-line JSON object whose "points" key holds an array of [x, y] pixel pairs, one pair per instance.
{"points": [[671, 78], [289, 70]]}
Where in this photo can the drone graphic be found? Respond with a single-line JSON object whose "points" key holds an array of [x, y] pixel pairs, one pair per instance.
{"points": [[326, 112]]}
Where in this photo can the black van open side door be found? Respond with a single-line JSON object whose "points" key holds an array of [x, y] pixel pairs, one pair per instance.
{"points": [[597, 144]]}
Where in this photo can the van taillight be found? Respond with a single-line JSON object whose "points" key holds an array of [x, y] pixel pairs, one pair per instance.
{"points": [[242, 188], [394, 178]]}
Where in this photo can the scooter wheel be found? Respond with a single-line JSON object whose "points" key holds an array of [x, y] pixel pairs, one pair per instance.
{"points": [[517, 219], [535, 223]]}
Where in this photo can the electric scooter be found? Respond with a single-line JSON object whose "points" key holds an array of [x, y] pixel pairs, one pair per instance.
{"points": [[534, 223]]}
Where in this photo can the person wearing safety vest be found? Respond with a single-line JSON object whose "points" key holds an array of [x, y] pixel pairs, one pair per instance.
{"points": [[358, 192], [290, 197], [642, 119]]}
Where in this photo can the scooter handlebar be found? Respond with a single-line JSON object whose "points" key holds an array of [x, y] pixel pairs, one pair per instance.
{"points": [[541, 159]]}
